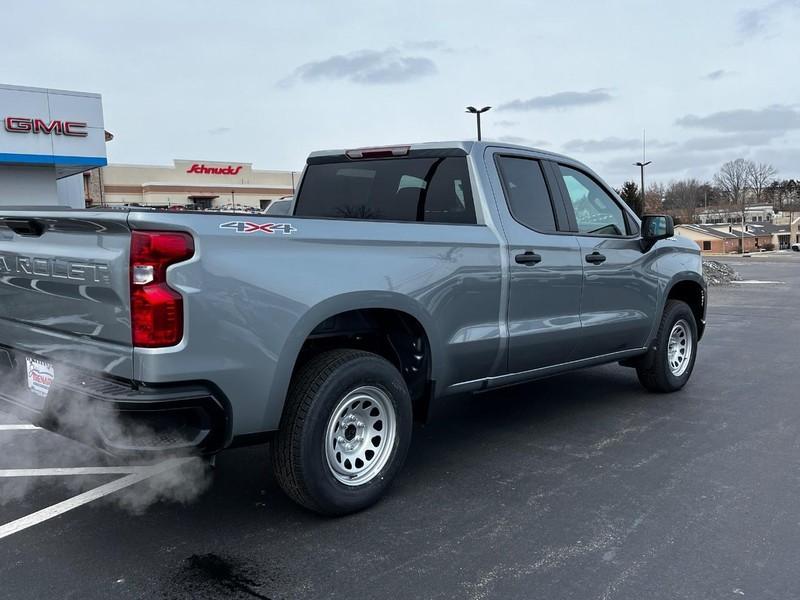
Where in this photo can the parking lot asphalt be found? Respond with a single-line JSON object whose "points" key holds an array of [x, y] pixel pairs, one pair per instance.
{"points": [[580, 486]]}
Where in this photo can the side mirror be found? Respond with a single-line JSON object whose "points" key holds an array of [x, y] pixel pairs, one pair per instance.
{"points": [[654, 228]]}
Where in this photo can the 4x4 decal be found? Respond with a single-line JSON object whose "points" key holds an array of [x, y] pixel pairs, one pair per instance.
{"points": [[250, 227]]}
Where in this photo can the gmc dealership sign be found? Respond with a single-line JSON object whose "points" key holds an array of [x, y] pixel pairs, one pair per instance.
{"points": [[59, 130], [204, 170], [56, 126]]}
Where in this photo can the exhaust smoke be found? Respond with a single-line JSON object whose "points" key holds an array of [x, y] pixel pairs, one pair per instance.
{"points": [[79, 418]]}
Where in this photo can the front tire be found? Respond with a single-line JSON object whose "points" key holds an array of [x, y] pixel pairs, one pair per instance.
{"points": [[669, 365], [345, 432]]}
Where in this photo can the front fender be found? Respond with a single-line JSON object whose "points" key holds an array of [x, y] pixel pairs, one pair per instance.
{"points": [[676, 267]]}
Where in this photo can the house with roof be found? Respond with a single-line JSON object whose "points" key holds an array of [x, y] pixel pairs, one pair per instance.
{"points": [[722, 239], [783, 236], [721, 215]]}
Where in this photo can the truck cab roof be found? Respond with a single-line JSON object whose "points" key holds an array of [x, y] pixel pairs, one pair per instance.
{"points": [[466, 146]]}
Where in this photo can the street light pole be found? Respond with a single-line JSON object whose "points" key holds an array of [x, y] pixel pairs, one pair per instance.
{"points": [[477, 113], [641, 166]]}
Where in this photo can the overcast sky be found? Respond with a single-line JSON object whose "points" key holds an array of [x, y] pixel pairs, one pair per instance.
{"points": [[268, 82]]}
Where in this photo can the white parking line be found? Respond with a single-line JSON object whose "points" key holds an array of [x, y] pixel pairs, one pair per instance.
{"points": [[18, 427], [90, 496], [72, 471]]}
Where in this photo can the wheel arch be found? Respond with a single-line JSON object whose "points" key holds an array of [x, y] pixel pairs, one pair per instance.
{"points": [[691, 289], [386, 303]]}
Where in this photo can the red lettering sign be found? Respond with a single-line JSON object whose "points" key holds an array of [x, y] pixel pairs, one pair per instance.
{"points": [[201, 169], [56, 126], [45, 379]]}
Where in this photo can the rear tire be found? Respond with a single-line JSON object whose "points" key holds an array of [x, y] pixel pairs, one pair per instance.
{"points": [[345, 432], [668, 367]]}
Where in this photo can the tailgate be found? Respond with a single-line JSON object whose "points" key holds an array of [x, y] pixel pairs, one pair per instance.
{"points": [[64, 291]]}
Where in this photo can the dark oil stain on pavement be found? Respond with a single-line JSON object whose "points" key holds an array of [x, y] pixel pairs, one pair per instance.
{"points": [[214, 576]]}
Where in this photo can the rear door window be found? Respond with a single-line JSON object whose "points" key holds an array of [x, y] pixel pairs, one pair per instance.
{"points": [[526, 192], [433, 190]]}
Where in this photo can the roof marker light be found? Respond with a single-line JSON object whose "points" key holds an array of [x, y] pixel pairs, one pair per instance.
{"points": [[378, 152]]}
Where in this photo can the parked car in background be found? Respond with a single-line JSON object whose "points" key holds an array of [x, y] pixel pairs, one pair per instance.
{"points": [[283, 206], [404, 274], [796, 247], [238, 208]]}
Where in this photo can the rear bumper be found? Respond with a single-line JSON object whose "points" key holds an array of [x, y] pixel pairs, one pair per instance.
{"points": [[118, 416]]}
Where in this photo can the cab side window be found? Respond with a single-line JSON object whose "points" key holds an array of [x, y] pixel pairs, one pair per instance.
{"points": [[595, 210], [526, 192]]}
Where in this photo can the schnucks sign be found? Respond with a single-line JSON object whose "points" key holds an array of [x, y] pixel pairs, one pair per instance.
{"points": [[200, 168]]}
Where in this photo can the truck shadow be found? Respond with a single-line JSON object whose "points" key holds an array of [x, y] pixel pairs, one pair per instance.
{"points": [[534, 436], [570, 411]]}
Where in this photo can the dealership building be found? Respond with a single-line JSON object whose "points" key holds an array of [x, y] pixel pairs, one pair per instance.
{"points": [[200, 184], [48, 138], [53, 152]]}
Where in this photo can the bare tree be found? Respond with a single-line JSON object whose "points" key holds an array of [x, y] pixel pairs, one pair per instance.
{"points": [[683, 198], [654, 198], [732, 181], [759, 177]]}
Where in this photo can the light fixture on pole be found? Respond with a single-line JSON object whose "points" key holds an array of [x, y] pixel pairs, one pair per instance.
{"points": [[477, 113], [641, 166]]}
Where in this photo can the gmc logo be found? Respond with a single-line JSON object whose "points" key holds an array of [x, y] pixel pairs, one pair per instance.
{"points": [[57, 127], [202, 169]]}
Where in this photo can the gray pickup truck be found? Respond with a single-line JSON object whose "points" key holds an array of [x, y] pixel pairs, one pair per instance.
{"points": [[400, 275]]}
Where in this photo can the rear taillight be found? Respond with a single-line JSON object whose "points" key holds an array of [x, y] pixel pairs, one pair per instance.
{"points": [[156, 309]]}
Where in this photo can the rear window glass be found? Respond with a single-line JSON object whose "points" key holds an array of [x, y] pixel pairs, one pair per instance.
{"points": [[434, 190]]}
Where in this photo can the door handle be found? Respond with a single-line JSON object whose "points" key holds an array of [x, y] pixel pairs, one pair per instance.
{"points": [[595, 258], [26, 227], [528, 258]]}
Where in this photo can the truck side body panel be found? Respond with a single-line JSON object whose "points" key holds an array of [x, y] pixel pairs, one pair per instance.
{"points": [[252, 298]]}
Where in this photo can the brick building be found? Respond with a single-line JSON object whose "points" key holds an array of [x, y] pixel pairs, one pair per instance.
{"points": [[723, 239]]}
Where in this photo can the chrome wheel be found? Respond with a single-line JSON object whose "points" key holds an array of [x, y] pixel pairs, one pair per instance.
{"points": [[360, 435], [679, 348]]}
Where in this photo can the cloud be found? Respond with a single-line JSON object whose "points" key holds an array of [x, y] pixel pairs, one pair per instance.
{"points": [[696, 164], [523, 141], [754, 22], [560, 100], [778, 117], [612, 143], [785, 160], [506, 123], [731, 141], [716, 75], [603, 145], [369, 67], [431, 45], [219, 130], [702, 157]]}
